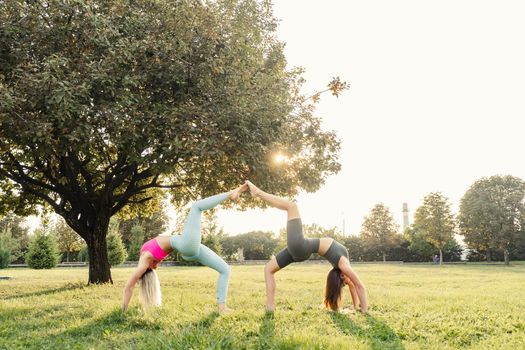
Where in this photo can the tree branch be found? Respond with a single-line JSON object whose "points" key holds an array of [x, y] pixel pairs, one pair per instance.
{"points": [[23, 177]]}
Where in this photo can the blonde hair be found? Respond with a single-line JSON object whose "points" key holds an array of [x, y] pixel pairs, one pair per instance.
{"points": [[149, 292]]}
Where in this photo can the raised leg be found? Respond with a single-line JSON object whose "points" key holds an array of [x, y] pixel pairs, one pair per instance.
{"points": [[189, 241], [275, 201]]}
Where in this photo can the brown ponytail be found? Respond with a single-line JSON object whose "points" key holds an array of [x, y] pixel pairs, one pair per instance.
{"points": [[332, 292]]}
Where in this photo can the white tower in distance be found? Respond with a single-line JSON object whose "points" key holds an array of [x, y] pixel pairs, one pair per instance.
{"points": [[405, 216]]}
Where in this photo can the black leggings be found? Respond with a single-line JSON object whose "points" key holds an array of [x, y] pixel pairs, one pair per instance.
{"points": [[299, 248]]}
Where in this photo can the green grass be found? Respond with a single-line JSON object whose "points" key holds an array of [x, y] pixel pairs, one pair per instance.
{"points": [[411, 307]]}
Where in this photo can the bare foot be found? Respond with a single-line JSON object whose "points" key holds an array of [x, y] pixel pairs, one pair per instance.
{"points": [[270, 308], [254, 190], [223, 309], [235, 194], [346, 310]]}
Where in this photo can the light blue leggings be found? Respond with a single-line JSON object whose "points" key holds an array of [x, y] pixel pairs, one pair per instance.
{"points": [[189, 244]]}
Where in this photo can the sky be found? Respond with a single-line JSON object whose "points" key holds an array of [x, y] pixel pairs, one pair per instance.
{"points": [[436, 101]]}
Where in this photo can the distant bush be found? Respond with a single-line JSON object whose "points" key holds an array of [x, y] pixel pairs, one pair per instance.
{"points": [[83, 253], [43, 252], [5, 251], [5, 258], [9, 248], [137, 239], [256, 245], [117, 252]]}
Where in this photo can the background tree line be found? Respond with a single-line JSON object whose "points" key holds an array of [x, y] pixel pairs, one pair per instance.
{"points": [[491, 220]]}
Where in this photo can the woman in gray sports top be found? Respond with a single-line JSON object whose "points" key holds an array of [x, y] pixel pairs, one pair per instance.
{"points": [[300, 248]]}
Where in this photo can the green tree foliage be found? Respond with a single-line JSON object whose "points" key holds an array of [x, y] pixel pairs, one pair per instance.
{"points": [[315, 230], [492, 214], [435, 222], [8, 247], [421, 250], [116, 251], [379, 229], [281, 241], [150, 215], [212, 233], [452, 251], [102, 101], [5, 256], [68, 240], [356, 248], [517, 252], [83, 253], [13, 229], [418, 245], [43, 252], [256, 245], [137, 239], [154, 224]]}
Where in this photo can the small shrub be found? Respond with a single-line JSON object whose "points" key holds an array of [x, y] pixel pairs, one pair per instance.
{"points": [[137, 239], [116, 251], [83, 253], [5, 258], [43, 252]]}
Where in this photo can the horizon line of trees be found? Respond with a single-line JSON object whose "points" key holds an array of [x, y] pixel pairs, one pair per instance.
{"points": [[491, 220]]}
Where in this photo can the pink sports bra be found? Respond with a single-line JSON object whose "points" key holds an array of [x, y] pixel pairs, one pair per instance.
{"points": [[154, 248]]}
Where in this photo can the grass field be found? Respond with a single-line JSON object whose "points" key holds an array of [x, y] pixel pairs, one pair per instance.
{"points": [[411, 307]]}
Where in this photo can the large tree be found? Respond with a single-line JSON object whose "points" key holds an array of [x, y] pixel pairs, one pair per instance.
{"points": [[379, 229], [435, 221], [492, 213], [101, 101]]}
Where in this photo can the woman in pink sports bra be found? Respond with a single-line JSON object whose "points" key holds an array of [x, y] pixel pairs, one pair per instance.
{"points": [[188, 243]]}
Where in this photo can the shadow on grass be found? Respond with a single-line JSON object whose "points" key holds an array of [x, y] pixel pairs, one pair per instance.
{"points": [[266, 331], [205, 322], [110, 322], [377, 333], [66, 287], [198, 335], [266, 337]]}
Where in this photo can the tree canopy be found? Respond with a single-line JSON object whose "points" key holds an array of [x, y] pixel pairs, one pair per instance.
{"points": [[492, 213], [103, 101], [379, 229], [435, 221]]}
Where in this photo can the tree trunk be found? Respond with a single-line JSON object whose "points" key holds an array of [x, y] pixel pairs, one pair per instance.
{"points": [[440, 257], [489, 256], [506, 255], [384, 257], [67, 256], [99, 268]]}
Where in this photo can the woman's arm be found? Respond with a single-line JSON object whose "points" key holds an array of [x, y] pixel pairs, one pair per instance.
{"points": [[353, 294], [344, 266], [132, 281]]}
